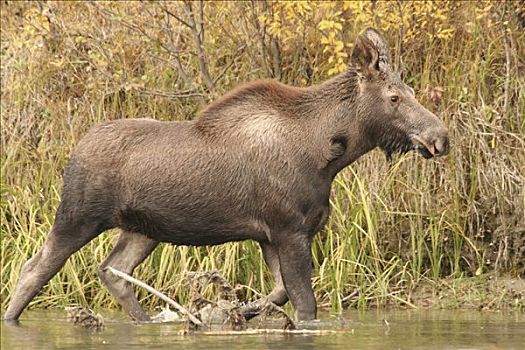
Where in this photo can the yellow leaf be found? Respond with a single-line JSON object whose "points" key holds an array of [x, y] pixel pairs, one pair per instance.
{"points": [[324, 24]]}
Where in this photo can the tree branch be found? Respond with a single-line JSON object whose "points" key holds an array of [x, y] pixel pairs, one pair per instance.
{"points": [[165, 9], [155, 292], [180, 94], [235, 56], [198, 36], [261, 33]]}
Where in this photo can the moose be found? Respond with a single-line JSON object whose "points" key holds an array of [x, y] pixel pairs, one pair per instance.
{"points": [[257, 164]]}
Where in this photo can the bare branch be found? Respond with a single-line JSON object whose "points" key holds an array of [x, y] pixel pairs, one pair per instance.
{"points": [[261, 33], [276, 58], [168, 12], [274, 48], [201, 19], [180, 94], [155, 292], [176, 56], [235, 56], [199, 43], [172, 50]]}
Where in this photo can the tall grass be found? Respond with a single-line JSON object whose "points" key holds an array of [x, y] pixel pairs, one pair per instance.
{"points": [[392, 225]]}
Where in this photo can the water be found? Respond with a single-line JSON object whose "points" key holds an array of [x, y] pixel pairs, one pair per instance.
{"points": [[361, 330]]}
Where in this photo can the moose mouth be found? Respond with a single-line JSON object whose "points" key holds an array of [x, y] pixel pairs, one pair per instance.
{"points": [[403, 143], [423, 151], [422, 147]]}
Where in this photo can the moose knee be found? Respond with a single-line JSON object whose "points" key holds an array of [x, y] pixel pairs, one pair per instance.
{"points": [[30, 264], [278, 296], [117, 286], [102, 274], [106, 277]]}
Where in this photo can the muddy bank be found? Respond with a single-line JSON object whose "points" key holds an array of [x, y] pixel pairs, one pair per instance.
{"points": [[487, 292]]}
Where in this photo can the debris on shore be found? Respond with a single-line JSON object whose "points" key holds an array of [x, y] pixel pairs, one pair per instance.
{"points": [[202, 313], [229, 310], [85, 318]]}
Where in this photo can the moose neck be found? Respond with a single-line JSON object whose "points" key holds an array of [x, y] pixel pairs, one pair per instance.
{"points": [[336, 121]]}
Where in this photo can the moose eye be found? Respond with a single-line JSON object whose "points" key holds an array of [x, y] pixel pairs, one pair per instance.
{"points": [[394, 99]]}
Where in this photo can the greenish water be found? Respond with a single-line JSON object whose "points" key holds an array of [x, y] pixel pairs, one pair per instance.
{"points": [[360, 330]]}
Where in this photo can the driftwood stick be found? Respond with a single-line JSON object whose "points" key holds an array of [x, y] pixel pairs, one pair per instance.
{"points": [[152, 290], [275, 331]]}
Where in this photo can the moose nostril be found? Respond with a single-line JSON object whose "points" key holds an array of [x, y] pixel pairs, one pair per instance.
{"points": [[441, 145]]}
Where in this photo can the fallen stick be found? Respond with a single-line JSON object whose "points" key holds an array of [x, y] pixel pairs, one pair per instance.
{"points": [[274, 331], [155, 292]]}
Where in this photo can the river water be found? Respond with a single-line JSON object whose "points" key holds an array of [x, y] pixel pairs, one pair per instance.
{"points": [[442, 329]]}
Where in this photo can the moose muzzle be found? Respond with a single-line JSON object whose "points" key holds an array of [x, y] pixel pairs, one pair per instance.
{"points": [[432, 143]]}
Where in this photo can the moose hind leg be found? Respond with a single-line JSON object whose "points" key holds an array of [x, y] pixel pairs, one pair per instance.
{"points": [[130, 250], [60, 244], [278, 295]]}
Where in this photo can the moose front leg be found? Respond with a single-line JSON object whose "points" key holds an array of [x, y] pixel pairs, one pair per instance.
{"points": [[295, 260]]}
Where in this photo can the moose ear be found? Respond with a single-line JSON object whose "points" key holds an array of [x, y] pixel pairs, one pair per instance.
{"points": [[380, 44], [365, 56], [371, 53]]}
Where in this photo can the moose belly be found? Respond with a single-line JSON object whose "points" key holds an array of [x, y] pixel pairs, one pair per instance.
{"points": [[188, 227]]}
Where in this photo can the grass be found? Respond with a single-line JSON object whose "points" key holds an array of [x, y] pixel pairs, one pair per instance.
{"points": [[394, 225]]}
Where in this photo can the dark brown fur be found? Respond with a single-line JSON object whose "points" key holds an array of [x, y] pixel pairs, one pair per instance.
{"points": [[257, 164]]}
